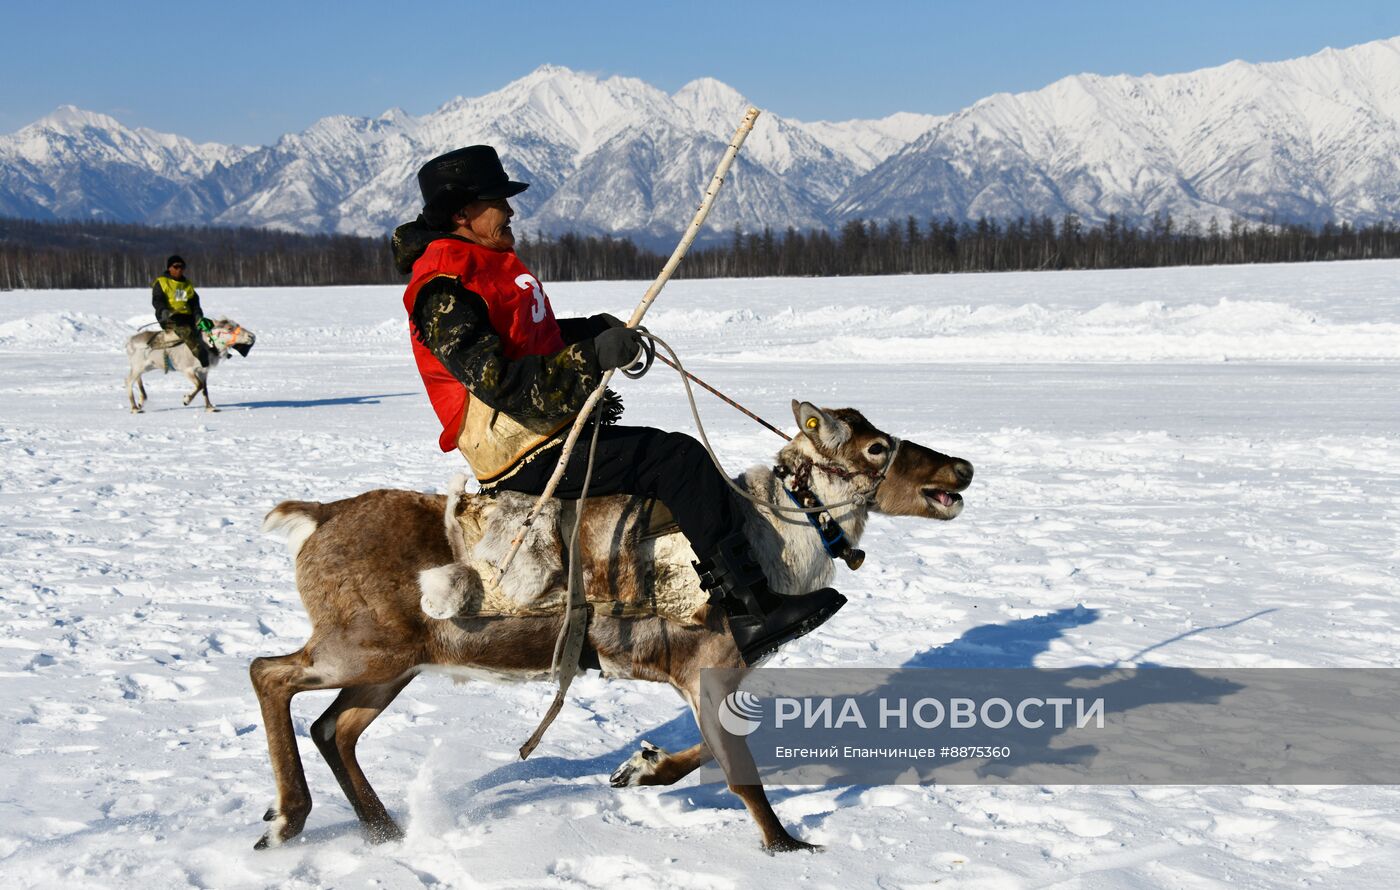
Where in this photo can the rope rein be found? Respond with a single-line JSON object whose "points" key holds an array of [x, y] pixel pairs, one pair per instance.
{"points": [[858, 500]]}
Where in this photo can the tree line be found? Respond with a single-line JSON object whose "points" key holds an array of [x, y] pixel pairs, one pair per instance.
{"points": [[72, 254], [84, 254], [861, 247]]}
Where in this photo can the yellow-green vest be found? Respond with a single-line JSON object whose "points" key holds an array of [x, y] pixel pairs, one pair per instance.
{"points": [[177, 293]]}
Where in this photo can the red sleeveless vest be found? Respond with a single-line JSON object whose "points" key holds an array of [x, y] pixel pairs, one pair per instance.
{"points": [[515, 302]]}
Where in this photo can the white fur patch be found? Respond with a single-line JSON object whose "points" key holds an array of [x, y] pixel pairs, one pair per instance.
{"points": [[297, 527], [445, 589], [460, 673], [274, 831], [539, 566]]}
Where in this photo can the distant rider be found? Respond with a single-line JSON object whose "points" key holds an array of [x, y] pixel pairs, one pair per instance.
{"points": [[177, 308], [506, 379]]}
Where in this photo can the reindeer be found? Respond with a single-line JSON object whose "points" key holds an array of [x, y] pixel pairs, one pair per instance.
{"points": [[148, 350], [358, 566]]}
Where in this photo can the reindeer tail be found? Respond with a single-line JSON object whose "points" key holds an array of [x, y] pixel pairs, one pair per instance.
{"points": [[297, 519]]}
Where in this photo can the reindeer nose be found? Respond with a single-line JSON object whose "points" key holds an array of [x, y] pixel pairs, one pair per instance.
{"points": [[963, 470]]}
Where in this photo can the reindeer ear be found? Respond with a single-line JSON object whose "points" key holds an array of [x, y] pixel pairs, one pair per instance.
{"points": [[822, 428]]}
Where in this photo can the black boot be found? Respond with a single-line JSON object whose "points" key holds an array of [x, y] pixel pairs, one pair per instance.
{"points": [[760, 619]]}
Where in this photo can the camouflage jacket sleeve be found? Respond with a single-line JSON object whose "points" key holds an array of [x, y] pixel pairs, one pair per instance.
{"points": [[195, 308], [452, 322], [158, 302]]}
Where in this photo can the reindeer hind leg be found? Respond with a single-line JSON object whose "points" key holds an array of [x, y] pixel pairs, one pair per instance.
{"points": [[276, 680], [652, 765], [336, 733]]}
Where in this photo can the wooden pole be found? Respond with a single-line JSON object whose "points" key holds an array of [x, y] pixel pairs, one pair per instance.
{"points": [[648, 298]]}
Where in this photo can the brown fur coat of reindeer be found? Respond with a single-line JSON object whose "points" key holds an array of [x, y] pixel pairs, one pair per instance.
{"points": [[358, 564], [149, 350]]}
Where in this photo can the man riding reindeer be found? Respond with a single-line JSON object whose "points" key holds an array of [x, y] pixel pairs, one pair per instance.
{"points": [[506, 379], [178, 311]]}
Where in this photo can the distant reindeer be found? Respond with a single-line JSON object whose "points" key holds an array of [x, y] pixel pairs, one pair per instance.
{"points": [[149, 350], [366, 567]]}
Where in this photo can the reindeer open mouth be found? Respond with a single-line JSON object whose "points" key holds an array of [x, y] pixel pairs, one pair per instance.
{"points": [[945, 504]]}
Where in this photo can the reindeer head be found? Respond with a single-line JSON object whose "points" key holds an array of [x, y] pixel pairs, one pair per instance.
{"points": [[907, 478], [228, 334]]}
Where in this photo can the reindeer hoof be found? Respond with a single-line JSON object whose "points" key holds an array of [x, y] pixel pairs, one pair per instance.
{"points": [[624, 776], [280, 831], [790, 844], [638, 768], [384, 832], [210, 409], [138, 411]]}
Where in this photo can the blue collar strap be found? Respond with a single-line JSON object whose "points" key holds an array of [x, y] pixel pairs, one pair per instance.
{"points": [[833, 538]]}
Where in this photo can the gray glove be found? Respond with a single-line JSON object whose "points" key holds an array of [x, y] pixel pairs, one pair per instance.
{"points": [[618, 348]]}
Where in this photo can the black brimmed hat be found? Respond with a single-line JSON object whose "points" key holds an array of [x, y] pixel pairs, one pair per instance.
{"points": [[450, 181]]}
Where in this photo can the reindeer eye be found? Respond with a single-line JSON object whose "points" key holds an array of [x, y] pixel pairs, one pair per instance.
{"points": [[877, 448]]}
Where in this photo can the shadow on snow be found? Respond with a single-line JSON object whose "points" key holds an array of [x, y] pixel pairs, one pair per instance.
{"points": [[318, 403]]}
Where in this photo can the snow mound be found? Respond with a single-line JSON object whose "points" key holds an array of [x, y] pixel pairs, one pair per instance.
{"points": [[1110, 332], [64, 331]]}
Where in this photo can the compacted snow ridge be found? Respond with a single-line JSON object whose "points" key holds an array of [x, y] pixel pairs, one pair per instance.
{"points": [[1188, 467]]}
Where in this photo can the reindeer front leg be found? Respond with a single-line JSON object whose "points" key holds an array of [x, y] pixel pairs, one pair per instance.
{"points": [[200, 379], [734, 756]]}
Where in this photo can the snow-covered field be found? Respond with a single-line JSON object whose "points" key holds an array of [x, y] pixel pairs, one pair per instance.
{"points": [[1196, 467]]}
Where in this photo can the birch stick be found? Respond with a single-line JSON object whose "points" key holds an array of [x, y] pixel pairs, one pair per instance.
{"points": [[647, 299]]}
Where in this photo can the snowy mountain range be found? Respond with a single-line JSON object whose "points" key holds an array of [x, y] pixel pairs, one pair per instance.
{"points": [[1308, 140]]}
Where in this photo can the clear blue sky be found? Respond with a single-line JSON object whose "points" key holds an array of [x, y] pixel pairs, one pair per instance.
{"points": [[247, 72]]}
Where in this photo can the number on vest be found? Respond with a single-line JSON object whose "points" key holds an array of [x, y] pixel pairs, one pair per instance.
{"points": [[533, 284]]}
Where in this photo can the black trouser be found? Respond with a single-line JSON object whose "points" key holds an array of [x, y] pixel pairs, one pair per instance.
{"points": [[671, 467], [183, 326]]}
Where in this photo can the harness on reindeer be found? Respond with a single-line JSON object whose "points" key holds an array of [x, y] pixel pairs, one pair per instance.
{"points": [[218, 339]]}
